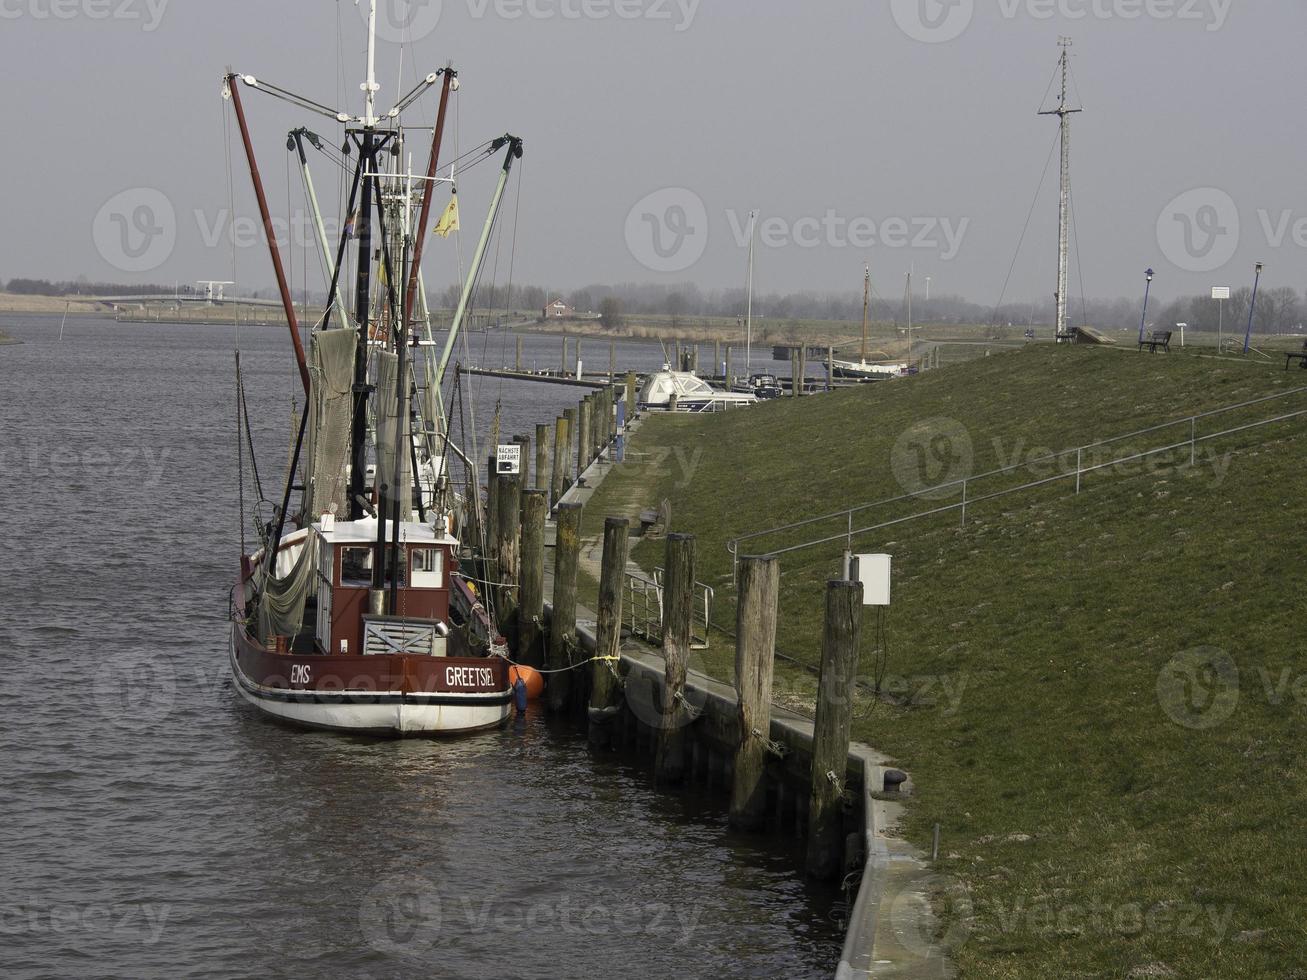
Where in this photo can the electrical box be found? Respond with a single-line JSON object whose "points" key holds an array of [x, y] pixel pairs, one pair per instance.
{"points": [[508, 460], [873, 571]]}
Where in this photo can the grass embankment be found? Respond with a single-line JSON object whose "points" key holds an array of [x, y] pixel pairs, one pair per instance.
{"points": [[1100, 697]]}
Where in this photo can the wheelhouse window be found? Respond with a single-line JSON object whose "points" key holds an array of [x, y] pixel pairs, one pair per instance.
{"points": [[356, 567], [428, 568]]}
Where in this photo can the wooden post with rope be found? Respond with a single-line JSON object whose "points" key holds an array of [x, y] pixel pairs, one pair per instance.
{"points": [[492, 507], [542, 458], [531, 579], [508, 524], [678, 611], [755, 652], [582, 436], [566, 450], [604, 684], [558, 473], [830, 737], [562, 624]]}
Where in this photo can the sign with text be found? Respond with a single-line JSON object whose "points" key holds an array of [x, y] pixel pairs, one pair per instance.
{"points": [[508, 460], [1220, 292]]}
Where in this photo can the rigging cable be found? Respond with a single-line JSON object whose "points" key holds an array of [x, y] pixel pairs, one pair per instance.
{"points": [[1026, 228], [1080, 272]]}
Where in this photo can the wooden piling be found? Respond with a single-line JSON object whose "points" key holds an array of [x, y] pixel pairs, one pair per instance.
{"points": [[830, 740], [507, 550], [562, 623], [582, 436], [517, 359], [565, 451], [605, 695], [631, 382], [716, 357], [562, 439], [678, 610], [542, 480], [728, 363], [605, 405], [612, 360], [755, 652], [566, 362], [531, 580], [492, 505], [802, 356], [524, 473], [577, 362]]}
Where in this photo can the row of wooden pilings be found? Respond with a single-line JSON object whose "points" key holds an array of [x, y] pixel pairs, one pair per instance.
{"points": [[592, 688]]}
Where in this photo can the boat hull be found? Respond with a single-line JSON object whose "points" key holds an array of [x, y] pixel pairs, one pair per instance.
{"points": [[400, 695]]}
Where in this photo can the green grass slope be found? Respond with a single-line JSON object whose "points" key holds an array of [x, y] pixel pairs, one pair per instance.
{"points": [[1101, 697]]}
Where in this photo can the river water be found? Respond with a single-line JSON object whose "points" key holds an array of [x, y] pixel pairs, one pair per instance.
{"points": [[156, 826]]}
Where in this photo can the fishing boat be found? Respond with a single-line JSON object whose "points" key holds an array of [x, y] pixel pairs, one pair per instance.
{"points": [[683, 391], [353, 612], [865, 369]]}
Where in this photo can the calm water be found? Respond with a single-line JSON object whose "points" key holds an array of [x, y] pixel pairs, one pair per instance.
{"points": [[155, 826]]}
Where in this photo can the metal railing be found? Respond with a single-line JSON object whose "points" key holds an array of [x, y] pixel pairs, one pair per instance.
{"points": [[965, 487], [642, 609]]}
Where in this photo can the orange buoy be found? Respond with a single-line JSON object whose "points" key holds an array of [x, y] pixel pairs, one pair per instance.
{"points": [[532, 678]]}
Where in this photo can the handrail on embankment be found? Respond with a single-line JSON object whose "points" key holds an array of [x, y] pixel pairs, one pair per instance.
{"points": [[1078, 472]]}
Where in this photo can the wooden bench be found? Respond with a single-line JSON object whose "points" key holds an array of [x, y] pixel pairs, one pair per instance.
{"points": [[1301, 355], [1156, 339]]}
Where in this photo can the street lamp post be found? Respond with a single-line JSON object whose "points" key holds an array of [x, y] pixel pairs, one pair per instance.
{"points": [[1143, 317], [1252, 308]]}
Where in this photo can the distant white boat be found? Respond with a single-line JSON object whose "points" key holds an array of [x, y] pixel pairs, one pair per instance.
{"points": [[691, 394], [863, 371]]}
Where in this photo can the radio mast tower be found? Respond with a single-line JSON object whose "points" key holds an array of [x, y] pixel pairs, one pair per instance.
{"points": [[1064, 112]]}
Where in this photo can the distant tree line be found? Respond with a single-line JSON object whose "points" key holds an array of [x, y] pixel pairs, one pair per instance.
{"points": [[43, 287], [1279, 310]]}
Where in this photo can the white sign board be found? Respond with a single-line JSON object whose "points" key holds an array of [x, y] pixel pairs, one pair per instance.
{"points": [[1220, 292], [508, 460], [873, 571]]}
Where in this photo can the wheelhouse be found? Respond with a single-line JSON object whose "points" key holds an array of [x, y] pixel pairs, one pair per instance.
{"points": [[418, 625]]}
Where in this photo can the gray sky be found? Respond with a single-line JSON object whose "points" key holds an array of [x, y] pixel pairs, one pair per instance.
{"points": [[856, 128]]}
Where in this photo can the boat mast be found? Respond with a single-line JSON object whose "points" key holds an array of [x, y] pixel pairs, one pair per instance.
{"points": [[1064, 113], [369, 144], [748, 312], [866, 303]]}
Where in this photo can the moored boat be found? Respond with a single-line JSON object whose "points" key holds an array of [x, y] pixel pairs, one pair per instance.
{"points": [[682, 391], [354, 613]]}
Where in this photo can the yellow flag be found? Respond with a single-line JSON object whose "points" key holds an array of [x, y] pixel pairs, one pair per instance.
{"points": [[449, 220]]}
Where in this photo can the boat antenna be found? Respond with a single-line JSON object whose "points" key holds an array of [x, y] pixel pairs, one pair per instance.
{"points": [[370, 86], [1064, 113]]}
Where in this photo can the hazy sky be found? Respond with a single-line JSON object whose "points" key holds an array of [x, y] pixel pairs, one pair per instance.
{"points": [[899, 132]]}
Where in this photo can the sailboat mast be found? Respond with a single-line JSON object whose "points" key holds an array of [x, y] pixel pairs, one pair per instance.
{"points": [[910, 271], [748, 312], [866, 305], [1064, 113]]}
